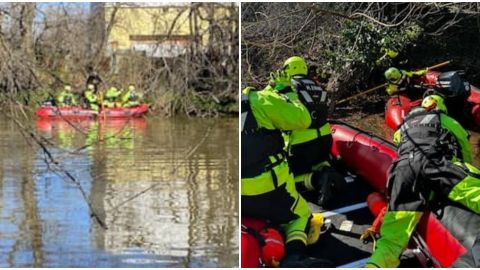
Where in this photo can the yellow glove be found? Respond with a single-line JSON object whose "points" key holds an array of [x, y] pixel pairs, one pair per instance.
{"points": [[397, 137], [280, 79], [391, 53], [421, 72], [271, 81], [392, 89], [315, 229]]}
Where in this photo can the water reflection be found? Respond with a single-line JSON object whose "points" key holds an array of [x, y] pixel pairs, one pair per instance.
{"points": [[188, 217]]}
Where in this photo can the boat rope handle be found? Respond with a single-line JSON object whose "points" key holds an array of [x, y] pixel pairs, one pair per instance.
{"points": [[369, 234]]}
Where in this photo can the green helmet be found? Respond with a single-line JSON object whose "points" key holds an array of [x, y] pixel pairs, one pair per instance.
{"points": [[393, 74], [295, 65], [434, 102]]}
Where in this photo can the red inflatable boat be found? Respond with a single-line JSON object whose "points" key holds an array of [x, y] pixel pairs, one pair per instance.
{"points": [[51, 125], [398, 106], [369, 158], [79, 113]]}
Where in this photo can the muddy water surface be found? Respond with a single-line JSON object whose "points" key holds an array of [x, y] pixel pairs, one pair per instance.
{"points": [[162, 206]]}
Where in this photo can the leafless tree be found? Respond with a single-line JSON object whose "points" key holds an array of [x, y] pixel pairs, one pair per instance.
{"points": [[272, 31], [43, 47]]}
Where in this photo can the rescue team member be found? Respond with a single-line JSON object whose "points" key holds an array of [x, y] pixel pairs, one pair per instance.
{"points": [[93, 78], [130, 97], [268, 187], [112, 98], [309, 149], [434, 165], [399, 80], [91, 98], [67, 97]]}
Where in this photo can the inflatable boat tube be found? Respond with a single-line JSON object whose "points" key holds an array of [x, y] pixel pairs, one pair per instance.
{"points": [[364, 154], [446, 238], [398, 106], [79, 112]]}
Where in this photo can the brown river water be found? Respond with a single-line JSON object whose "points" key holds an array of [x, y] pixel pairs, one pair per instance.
{"points": [[162, 206]]}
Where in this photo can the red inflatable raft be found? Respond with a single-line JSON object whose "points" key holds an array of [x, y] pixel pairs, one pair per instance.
{"points": [[113, 126], [398, 106], [370, 157], [78, 112]]}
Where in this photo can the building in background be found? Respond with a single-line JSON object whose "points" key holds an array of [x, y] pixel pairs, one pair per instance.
{"points": [[167, 29]]}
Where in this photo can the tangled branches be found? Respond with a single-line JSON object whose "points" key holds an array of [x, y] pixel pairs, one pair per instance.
{"points": [[348, 41], [43, 46]]}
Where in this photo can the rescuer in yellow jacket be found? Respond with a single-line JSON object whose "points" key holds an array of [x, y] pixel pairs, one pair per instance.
{"points": [[434, 165], [268, 187]]}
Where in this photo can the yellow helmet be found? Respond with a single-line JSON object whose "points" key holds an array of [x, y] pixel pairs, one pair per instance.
{"points": [[393, 74], [295, 65], [90, 87], [434, 102], [131, 87], [67, 88]]}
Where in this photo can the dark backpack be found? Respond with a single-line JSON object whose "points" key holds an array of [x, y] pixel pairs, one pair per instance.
{"points": [[452, 84]]}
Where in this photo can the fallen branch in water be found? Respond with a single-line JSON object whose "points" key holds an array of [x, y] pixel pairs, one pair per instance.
{"points": [[57, 167], [26, 133]]}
